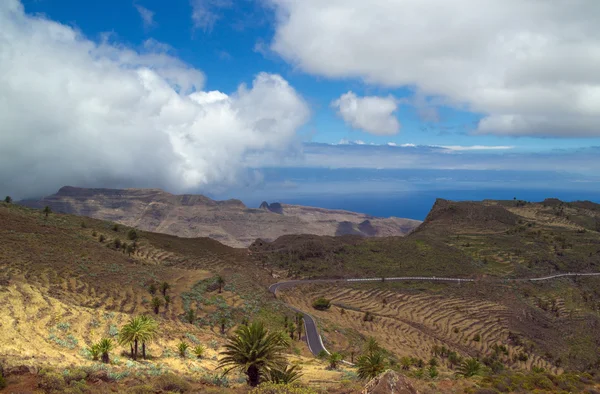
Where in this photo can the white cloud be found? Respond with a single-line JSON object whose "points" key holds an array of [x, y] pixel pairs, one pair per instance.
{"points": [[372, 114], [146, 15], [99, 114], [205, 13], [473, 147], [529, 66]]}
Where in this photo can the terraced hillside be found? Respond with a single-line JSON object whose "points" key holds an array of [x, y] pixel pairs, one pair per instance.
{"points": [[549, 323], [64, 285]]}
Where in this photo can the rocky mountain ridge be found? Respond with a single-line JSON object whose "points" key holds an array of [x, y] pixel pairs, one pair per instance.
{"points": [[230, 222]]}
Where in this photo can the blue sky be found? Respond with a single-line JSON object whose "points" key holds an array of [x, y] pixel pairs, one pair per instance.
{"points": [[251, 85], [228, 52]]}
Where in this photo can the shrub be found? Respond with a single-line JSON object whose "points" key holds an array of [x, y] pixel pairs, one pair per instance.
{"points": [[102, 238], [52, 381], [182, 348], [199, 351], [115, 228], [141, 389], [172, 383], [368, 316], [2, 382], [117, 243], [74, 375], [132, 235], [477, 338], [321, 304]]}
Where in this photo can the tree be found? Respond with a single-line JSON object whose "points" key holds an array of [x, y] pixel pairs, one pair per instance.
{"points": [[334, 359], [130, 249], [469, 367], [156, 304], [132, 235], [223, 322], [94, 351], [299, 324], [372, 346], [291, 329], [371, 365], [254, 351], [8, 199], [47, 211], [117, 243], [152, 289], [167, 301], [321, 304], [190, 316], [182, 348], [285, 374], [105, 346], [220, 282], [140, 329], [164, 287], [151, 330]]}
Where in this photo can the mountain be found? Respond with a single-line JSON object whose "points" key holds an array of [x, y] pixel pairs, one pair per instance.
{"points": [[230, 222]]}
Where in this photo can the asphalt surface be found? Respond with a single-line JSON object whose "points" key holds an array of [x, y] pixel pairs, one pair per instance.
{"points": [[313, 338]]}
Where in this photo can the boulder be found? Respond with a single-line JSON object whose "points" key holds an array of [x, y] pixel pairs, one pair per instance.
{"points": [[389, 382]]}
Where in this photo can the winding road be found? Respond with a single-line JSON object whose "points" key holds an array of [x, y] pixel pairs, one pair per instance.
{"points": [[313, 338]]}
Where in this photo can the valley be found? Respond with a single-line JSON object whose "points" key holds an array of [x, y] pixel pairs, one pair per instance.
{"points": [[69, 281]]}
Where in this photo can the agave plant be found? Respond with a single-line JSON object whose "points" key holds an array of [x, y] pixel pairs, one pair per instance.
{"points": [[284, 374], [182, 348], [199, 351]]}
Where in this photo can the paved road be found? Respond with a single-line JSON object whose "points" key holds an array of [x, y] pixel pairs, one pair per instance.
{"points": [[313, 338]]}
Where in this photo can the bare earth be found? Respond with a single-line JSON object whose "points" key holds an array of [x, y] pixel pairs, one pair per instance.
{"points": [[229, 222]]}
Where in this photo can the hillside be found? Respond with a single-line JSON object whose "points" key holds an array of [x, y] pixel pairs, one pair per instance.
{"points": [[66, 282], [229, 222], [488, 241]]}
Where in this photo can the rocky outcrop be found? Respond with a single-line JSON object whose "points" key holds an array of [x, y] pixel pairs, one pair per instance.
{"points": [[389, 382], [229, 222]]}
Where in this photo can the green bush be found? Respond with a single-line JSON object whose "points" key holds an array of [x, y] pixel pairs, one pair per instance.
{"points": [[52, 381], [321, 304], [132, 235], [141, 389], [172, 382]]}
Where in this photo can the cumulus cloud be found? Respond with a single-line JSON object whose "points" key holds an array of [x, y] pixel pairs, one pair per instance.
{"points": [[100, 114], [205, 13], [529, 67], [146, 15], [372, 114]]}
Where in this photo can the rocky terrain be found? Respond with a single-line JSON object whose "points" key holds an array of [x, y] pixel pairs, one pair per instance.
{"points": [[230, 222]]}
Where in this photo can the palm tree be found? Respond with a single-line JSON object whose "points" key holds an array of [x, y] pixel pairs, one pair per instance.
{"points": [[152, 289], [191, 316], [285, 374], [372, 346], [105, 346], [371, 365], [334, 359], [140, 329], [167, 301], [469, 367], [151, 330], [156, 304], [220, 282], [255, 351], [164, 287], [299, 324], [94, 351], [47, 211]]}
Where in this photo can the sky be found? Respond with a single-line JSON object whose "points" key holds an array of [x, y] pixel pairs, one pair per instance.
{"points": [[227, 97]]}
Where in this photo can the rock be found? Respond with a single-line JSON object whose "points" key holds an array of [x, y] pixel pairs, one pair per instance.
{"points": [[389, 382]]}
